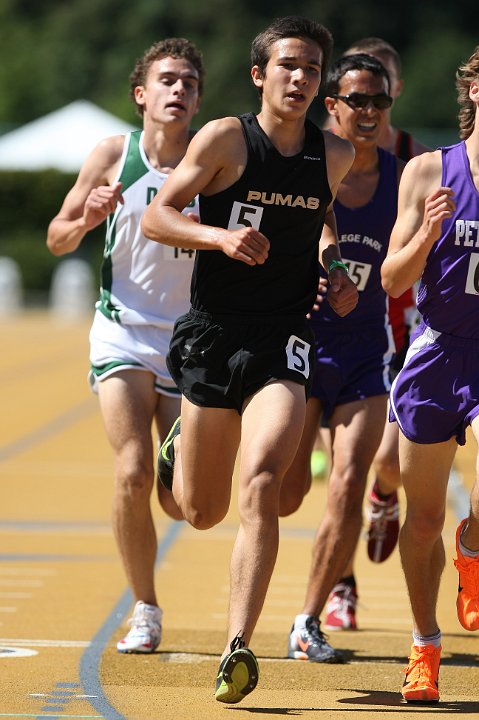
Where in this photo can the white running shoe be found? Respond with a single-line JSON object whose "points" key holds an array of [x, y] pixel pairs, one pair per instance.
{"points": [[145, 633]]}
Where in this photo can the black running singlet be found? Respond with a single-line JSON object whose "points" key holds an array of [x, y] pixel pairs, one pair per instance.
{"points": [[285, 198]]}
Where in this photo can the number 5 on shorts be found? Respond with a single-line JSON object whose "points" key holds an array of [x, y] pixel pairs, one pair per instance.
{"points": [[297, 353]]}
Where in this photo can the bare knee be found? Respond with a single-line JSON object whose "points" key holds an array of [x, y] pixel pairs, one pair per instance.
{"points": [[204, 510], [292, 496], [260, 497], [203, 518], [168, 503], [134, 478], [289, 503], [424, 528]]}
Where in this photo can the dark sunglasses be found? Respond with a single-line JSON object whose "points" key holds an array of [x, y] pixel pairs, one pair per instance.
{"points": [[360, 101]]}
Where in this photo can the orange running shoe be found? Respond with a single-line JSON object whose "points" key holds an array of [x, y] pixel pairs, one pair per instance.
{"points": [[422, 675], [468, 590]]}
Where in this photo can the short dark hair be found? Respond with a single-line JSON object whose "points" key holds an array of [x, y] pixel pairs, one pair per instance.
{"points": [[376, 46], [291, 26], [170, 47], [466, 74], [360, 61]]}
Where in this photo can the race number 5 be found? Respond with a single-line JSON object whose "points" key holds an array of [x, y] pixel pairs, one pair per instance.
{"points": [[297, 353], [472, 282], [245, 215]]}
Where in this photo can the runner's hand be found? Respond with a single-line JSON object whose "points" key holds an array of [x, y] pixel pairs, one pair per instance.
{"points": [[100, 203], [342, 294], [245, 244]]}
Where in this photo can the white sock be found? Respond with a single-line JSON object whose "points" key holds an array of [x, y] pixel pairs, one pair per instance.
{"points": [[422, 640], [300, 621], [464, 550]]}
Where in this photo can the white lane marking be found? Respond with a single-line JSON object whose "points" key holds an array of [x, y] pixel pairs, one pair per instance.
{"points": [[27, 571], [267, 617], [13, 652], [185, 658], [16, 595], [23, 642], [177, 657]]}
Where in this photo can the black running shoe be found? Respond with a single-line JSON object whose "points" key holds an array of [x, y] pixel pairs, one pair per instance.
{"points": [[238, 673], [309, 643], [166, 456]]}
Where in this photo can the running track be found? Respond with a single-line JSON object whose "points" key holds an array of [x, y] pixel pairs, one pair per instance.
{"points": [[64, 603]]}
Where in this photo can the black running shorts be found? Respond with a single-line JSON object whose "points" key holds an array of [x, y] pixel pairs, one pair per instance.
{"points": [[219, 361]]}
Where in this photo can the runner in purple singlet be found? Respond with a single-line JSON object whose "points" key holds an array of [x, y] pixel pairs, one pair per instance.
{"points": [[435, 397]]}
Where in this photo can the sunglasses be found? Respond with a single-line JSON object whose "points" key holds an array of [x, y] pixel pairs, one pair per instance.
{"points": [[360, 101]]}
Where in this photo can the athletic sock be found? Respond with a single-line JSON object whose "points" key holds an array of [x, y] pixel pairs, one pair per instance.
{"points": [[464, 550], [423, 640], [300, 621]]}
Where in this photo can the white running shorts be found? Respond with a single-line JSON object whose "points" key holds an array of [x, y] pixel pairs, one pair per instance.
{"points": [[115, 347]]}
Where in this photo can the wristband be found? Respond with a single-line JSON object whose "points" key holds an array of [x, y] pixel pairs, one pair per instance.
{"points": [[339, 264]]}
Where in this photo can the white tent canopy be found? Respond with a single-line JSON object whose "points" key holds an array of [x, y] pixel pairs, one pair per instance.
{"points": [[60, 140]]}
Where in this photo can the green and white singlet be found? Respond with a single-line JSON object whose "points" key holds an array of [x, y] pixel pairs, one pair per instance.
{"points": [[142, 282], [145, 286]]}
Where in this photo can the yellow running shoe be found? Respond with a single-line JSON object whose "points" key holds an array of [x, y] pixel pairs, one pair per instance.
{"points": [[422, 674], [238, 673], [468, 590], [166, 457]]}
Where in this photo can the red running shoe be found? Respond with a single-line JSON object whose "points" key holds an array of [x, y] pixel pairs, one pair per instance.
{"points": [[383, 528], [341, 607]]}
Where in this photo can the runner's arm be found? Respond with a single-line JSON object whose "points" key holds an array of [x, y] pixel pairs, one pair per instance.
{"points": [[422, 206], [211, 160], [90, 200]]}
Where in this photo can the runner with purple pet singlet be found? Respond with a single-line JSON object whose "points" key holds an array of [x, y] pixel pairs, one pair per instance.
{"points": [[449, 320], [436, 238]]}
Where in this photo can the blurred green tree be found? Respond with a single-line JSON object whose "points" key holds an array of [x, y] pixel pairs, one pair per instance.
{"points": [[54, 52]]}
